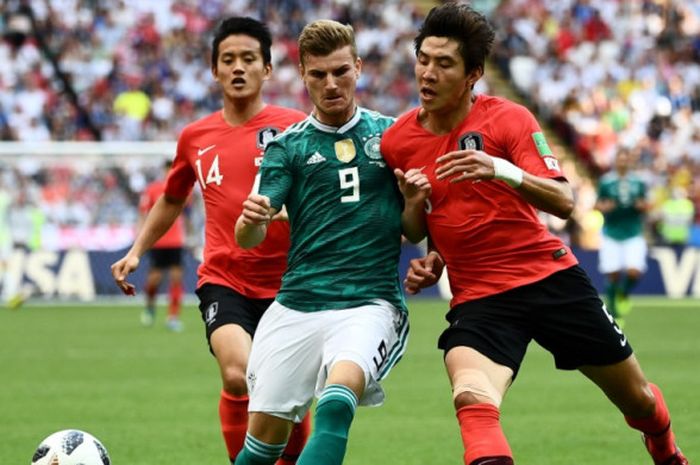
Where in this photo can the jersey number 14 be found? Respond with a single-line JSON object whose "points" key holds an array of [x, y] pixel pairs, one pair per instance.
{"points": [[213, 176]]}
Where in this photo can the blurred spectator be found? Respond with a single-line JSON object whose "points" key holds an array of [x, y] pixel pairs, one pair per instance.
{"points": [[677, 216]]}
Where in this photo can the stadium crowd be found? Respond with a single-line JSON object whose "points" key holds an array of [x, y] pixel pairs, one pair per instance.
{"points": [[119, 70], [616, 74]]}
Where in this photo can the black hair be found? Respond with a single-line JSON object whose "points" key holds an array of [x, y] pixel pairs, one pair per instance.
{"points": [[463, 24], [242, 25]]}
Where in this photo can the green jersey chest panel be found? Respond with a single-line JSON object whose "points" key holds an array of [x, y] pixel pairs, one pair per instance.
{"points": [[624, 220], [344, 210]]}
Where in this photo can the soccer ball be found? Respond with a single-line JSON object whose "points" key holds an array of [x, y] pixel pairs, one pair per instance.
{"points": [[71, 447]]}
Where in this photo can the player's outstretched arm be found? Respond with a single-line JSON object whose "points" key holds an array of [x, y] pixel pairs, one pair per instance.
{"points": [[159, 219], [416, 189], [251, 226]]}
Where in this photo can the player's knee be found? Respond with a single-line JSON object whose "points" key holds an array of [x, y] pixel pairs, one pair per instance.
{"points": [[645, 402], [638, 403], [234, 381], [471, 387]]}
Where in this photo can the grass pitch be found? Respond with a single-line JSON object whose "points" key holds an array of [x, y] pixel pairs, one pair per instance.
{"points": [[151, 395]]}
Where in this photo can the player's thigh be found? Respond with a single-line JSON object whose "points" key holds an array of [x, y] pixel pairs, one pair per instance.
{"points": [[610, 256], [571, 322], [284, 362], [635, 252], [372, 337]]}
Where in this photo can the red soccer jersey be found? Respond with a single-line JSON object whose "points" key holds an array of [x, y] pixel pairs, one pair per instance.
{"points": [[175, 236], [224, 160], [490, 238]]}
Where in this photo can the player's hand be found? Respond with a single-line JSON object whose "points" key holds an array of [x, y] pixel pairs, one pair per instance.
{"points": [[423, 272], [256, 210], [462, 165], [121, 269], [281, 215], [413, 184]]}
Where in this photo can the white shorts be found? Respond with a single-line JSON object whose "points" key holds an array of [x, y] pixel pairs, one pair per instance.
{"points": [[629, 254], [294, 351]]}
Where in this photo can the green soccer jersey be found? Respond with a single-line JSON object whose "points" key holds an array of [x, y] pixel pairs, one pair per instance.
{"points": [[344, 210], [624, 221]]}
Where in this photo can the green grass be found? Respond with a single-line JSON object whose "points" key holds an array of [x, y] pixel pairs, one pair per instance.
{"points": [[151, 396]]}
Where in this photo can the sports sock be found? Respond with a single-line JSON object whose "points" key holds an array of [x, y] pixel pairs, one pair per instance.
{"points": [[150, 292], [233, 414], [657, 428], [628, 283], [334, 413], [175, 299], [256, 452], [297, 439], [482, 436]]}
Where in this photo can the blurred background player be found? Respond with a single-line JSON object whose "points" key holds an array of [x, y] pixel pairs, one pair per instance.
{"points": [[623, 249], [222, 152], [165, 256], [491, 169]]}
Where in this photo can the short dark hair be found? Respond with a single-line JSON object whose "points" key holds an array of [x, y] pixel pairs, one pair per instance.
{"points": [[242, 25], [463, 24]]}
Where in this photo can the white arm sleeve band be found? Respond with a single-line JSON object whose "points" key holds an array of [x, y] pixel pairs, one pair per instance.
{"points": [[507, 172]]}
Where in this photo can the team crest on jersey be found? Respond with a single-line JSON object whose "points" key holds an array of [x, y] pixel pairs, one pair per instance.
{"points": [[345, 150], [265, 135], [372, 148], [471, 141]]}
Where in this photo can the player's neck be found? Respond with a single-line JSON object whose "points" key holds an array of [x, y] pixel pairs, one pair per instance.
{"points": [[237, 112], [444, 120]]}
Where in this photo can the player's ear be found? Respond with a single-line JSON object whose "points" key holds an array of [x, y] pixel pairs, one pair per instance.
{"points": [[358, 67], [267, 71], [473, 76]]}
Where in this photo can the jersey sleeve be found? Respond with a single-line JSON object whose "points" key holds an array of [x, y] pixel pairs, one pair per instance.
{"points": [[527, 145], [275, 174], [181, 177]]}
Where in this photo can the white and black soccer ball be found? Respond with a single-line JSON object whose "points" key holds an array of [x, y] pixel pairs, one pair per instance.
{"points": [[71, 447]]}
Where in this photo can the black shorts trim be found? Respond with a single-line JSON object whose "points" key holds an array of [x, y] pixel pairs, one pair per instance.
{"points": [[166, 257], [221, 305], [563, 313]]}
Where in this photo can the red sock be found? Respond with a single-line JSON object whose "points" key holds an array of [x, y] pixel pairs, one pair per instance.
{"points": [[233, 413], [175, 299], [482, 435], [297, 439], [657, 428]]}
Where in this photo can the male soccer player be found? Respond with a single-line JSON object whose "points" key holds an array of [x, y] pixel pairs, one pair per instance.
{"points": [[338, 324], [222, 152], [166, 256], [490, 167], [623, 251]]}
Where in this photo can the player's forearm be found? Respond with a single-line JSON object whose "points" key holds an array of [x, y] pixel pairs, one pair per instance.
{"points": [[249, 235], [159, 219], [413, 222], [549, 195]]}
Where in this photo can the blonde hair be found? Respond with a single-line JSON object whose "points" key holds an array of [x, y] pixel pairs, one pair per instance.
{"points": [[323, 37]]}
